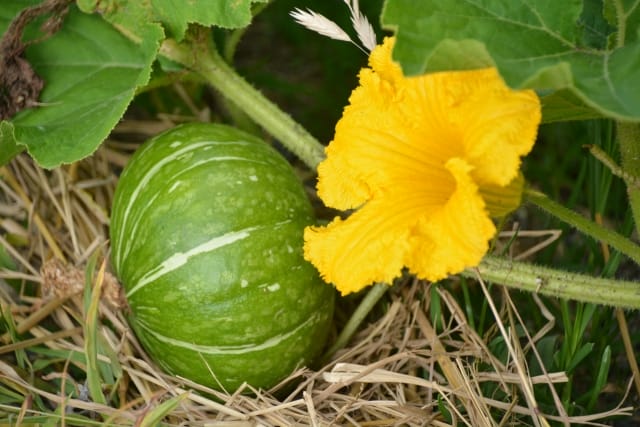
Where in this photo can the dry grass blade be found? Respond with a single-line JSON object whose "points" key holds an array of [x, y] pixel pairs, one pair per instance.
{"points": [[153, 417], [628, 346], [326, 27], [35, 318], [531, 344], [93, 294], [18, 188], [524, 378], [319, 24], [477, 412], [361, 24], [549, 236]]}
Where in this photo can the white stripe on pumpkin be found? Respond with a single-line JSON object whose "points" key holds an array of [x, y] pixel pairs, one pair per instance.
{"points": [[229, 349], [155, 169]]}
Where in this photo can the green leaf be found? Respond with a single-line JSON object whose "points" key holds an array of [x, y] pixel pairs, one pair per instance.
{"points": [[626, 12], [8, 147], [543, 45], [6, 262], [564, 105], [221, 13], [134, 18], [601, 377], [91, 72], [595, 29], [579, 356], [175, 15], [153, 417], [93, 293]]}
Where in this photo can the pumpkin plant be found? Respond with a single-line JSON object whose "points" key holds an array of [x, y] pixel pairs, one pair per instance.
{"points": [[188, 239], [206, 237]]}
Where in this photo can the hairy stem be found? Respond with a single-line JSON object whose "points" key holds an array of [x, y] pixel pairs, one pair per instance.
{"points": [[584, 225], [199, 54], [621, 20], [629, 143], [557, 283]]}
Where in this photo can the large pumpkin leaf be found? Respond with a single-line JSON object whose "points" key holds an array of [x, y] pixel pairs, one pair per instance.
{"points": [[221, 13], [93, 66], [564, 105], [135, 18], [91, 72], [8, 146], [543, 44], [175, 15]]}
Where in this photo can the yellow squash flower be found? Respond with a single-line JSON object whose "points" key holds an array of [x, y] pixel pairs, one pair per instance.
{"points": [[424, 163]]}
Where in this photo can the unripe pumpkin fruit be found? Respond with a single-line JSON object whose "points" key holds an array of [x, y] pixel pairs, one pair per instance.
{"points": [[206, 238]]}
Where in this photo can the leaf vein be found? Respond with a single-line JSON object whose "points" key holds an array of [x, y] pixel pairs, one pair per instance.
{"points": [[632, 9], [542, 27], [607, 79]]}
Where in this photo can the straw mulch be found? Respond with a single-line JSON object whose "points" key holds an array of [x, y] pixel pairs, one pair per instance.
{"points": [[398, 369]]}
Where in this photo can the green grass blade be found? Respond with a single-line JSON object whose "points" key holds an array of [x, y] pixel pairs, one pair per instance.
{"points": [[468, 306], [435, 308], [601, 378], [94, 381], [153, 417], [21, 357]]}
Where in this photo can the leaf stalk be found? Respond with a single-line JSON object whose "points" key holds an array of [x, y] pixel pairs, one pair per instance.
{"points": [[584, 225], [628, 134], [200, 55], [557, 283]]}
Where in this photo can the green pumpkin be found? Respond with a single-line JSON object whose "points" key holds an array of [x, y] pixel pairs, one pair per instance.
{"points": [[206, 238]]}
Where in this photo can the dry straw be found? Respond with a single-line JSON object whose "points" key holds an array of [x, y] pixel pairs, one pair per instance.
{"points": [[68, 351], [326, 27]]}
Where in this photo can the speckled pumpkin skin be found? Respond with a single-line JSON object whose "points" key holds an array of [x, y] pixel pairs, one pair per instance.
{"points": [[206, 238]]}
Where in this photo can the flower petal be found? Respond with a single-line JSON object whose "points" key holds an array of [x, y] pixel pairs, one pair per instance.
{"points": [[434, 234], [500, 200], [485, 120], [496, 122], [365, 248], [429, 119], [385, 134], [456, 236], [356, 157], [382, 63], [424, 161]]}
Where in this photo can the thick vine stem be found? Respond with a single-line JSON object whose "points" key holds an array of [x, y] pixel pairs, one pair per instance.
{"points": [[584, 225], [199, 54], [557, 283], [629, 142], [621, 20]]}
